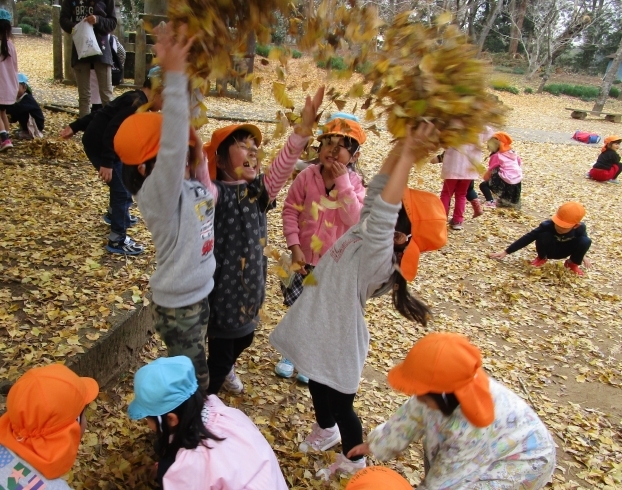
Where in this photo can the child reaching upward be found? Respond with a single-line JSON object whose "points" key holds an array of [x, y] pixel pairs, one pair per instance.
{"points": [[8, 77], [607, 166], [202, 443], [504, 175], [322, 203], [564, 235], [324, 333], [244, 197], [476, 433]]}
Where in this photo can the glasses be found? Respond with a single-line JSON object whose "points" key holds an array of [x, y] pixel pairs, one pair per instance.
{"points": [[332, 145], [400, 238]]}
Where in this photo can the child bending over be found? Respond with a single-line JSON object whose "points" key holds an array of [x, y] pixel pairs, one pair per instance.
{"points": [[504, 175], [324, 333], [564, 235], [26, 111], [607, 166], [476, 433]]}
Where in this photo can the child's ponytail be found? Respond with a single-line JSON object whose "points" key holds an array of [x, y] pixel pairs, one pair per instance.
{"points": [[5, 33], [408, 305]]}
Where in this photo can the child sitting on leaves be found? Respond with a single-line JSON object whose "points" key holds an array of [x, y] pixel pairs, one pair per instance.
{"points": [[504, 175], [607, 166], [26, 111], [564, 235]]}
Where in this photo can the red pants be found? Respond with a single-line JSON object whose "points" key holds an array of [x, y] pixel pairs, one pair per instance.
{"points": [[459, 187], [604, 175]]}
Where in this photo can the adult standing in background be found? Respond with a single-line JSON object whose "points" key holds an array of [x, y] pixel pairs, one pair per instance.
{"points": [[100, 14]]}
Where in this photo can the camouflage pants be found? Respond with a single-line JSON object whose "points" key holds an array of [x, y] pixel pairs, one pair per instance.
{"points": [[184, 331]]}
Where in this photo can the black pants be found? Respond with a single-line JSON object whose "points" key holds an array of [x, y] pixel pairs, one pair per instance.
{"points": [[222, 354], [471, 194], [549, 248], [485, 188], [333, 407]]}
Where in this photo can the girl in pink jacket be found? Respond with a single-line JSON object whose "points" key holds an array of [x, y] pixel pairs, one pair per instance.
{"points": [[8, 77], [323, 202], [504, 175], [202, 444]]}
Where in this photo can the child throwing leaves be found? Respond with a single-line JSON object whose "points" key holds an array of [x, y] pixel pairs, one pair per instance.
{"points": [[322, 203], [324, 332], [8, 77], [178, 210], [202, 443], [504, 175], [244, 197], [607, 166], [476, 433], [564, 235]]}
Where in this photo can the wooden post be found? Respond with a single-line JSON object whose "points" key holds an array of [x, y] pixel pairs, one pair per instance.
{"points": [[140, 56], [57, 43], [70, 78]]}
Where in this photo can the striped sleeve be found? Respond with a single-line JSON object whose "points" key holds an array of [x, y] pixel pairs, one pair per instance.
{"points": [[283, 165]]}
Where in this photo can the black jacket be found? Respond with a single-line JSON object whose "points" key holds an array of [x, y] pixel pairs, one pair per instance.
{"points": [[24, 108], [74, 11], [606, 159], [546, 227], [100, 127]]}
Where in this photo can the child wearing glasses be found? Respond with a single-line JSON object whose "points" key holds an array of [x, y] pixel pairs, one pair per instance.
{"points": [[244, 196], [323, 202], [324, 333]]}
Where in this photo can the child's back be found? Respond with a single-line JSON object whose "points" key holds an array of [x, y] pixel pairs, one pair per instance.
{"points": [[509, 164]]}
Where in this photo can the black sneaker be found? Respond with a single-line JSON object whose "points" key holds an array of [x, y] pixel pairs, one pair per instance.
{"points": [[108, 219], [127, 246]]}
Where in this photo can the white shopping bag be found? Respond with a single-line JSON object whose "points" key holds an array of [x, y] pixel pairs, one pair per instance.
{"points": [[85, 40]]}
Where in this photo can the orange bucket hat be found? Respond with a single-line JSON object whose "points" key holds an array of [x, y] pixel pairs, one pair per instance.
{"points": [[138, 138], [40, 423], [610, 139], [505, 141], [221, 135], [428, 227], [378, 478], [344, 127], [569, 214], [447, 363]]}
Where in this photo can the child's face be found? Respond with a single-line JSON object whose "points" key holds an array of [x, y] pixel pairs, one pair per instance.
{"points": [[22, 90], [333, 149], [563, 231], [615, 145], [493, 145], [242, 164]]}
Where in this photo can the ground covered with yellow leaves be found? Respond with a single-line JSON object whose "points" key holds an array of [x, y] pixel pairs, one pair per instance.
{"points": [[553, 337]]}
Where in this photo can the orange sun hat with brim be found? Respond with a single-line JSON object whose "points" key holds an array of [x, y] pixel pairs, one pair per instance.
{"points": [[569, 214], [378, 478], [505, 141], [138, 138], [344, 127], [610, 139], [221, 135], [428, 227], [40, 423], [447, 363]]}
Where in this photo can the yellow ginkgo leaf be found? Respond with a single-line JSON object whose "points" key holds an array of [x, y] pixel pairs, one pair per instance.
{"points": [[309, 280], [316, 244], [280, 95], [328, 204]]}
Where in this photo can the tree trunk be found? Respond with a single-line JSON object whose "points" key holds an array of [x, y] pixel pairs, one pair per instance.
{"points": [[494, 12], [608, 80], [517, 25], [545, 77]]}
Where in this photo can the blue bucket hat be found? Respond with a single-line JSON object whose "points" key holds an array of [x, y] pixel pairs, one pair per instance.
{"points": [[5, 15], [21, 78], [161, 386], [155, 71]]}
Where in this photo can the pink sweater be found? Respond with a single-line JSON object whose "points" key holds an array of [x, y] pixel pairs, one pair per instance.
{"points": [[243, 460], [509, 164], [8, 77], [335, 215]]}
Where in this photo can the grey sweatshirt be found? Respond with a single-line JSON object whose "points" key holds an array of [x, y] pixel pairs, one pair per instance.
{"points": [[324, 333], [179, 213]]}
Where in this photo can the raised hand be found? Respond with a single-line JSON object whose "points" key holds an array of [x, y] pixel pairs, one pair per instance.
{"points": [[421, 140], [310, 110]]}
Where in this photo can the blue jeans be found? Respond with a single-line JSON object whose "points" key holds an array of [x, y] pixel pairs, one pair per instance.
{"points": [[120, 202]]}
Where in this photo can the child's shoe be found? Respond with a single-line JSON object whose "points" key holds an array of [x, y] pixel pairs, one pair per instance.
{"points": [[302, 378], [284, 368], [613, 181], [320, 439], [5, 145], [108, 219], [455, 226], [538, 262], [232, 383], [127, 246], [569, 264], [477, 208], [342, 465], [491, 204]]}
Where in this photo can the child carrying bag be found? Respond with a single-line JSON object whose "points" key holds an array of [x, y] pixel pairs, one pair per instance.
{"points": [[85, 41]]}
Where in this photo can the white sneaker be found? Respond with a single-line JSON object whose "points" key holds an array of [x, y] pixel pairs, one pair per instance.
{"points": [[320, 439], [232, 383], [342, 465]]}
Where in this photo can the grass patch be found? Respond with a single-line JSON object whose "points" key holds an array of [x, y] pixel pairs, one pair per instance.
{"points": [[296, 54], [503, 86], [529, 90], [262, 50], [584, 92], [364, 68], [334, 63]]}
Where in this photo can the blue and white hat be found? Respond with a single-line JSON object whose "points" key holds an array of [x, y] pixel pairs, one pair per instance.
{"points": [[21, 78], [5, 15], [161, 386]]}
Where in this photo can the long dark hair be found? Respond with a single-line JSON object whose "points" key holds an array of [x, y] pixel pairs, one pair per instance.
{"points": [[5, 34], [447, 402], [409, 306]]}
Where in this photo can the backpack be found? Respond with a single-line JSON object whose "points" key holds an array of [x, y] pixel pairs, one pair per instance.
{"points": [[117, 62], [586, 137]]}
